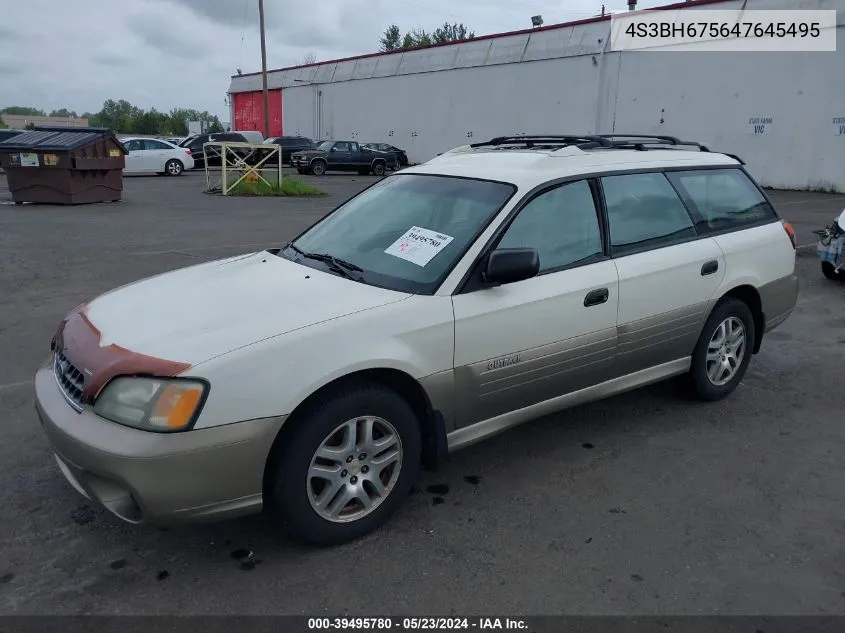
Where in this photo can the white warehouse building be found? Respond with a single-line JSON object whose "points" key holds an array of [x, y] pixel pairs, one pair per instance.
{"points": [[782, 112]]}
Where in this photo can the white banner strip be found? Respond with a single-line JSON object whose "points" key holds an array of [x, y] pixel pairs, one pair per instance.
{"points": [[724, 30]]}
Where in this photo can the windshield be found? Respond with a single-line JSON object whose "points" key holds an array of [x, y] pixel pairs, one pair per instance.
{"points": [[325, 145], [408, 231]]}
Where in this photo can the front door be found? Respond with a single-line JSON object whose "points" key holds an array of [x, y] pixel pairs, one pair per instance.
{"points": [[667, 273], [134, 162], [522, 343], [340, 156]]}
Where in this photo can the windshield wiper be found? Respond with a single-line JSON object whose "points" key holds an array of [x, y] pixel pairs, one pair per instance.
{"points": [[335, 264], [331, 259]]}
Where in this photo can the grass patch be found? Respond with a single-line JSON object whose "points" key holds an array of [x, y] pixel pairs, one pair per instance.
{"points": [[289, 187]]}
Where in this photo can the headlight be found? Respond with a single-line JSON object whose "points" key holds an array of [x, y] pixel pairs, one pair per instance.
{"points": [[152, 404]]}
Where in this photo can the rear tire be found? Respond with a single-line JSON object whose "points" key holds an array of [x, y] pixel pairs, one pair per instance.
{"points": [[309, 470], [829, 271], [174, 167], [378, 169], [723, 352]]}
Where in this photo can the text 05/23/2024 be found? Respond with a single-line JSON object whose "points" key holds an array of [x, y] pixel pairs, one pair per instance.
{"points": [[402, 624]]}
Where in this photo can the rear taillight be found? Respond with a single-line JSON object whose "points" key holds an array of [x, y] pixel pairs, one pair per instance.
{"points": [[789, 231], [188, 152]]}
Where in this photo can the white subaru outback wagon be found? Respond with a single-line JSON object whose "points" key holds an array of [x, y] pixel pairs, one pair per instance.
{"points": [[497, 283]]}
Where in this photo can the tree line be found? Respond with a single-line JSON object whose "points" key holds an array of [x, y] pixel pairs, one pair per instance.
{"points": [[124, 118], [394, 40]]}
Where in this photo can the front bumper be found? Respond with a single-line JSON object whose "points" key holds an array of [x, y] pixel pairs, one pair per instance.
{"points": [[157, 478]]}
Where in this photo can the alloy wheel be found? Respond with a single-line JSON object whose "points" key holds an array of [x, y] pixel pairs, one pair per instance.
{"points": [[725, 351], [354, 469]]}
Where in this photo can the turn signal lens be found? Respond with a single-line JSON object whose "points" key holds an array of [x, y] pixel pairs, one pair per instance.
{"points": [[789, 231], [176, 406]]}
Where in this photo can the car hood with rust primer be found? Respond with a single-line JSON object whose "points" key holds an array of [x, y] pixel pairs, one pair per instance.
{"points": [[197, 313]]}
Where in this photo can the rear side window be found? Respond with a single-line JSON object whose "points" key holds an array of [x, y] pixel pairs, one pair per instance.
{"points": [[644, 212], [154, 144], [722, 199]]}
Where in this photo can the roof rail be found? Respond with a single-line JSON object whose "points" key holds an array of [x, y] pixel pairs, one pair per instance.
{"points": [[640, 142], [537, 140]]}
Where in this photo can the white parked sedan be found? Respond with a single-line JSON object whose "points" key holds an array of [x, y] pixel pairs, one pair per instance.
{"points": [[438, 307], [154, 156]]}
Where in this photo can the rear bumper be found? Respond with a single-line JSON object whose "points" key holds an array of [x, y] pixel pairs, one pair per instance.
{"points": [[778, 299], [157, 478]]}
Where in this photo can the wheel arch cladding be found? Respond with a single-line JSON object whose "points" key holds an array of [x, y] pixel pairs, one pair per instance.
{"points": [[750, 296], [432, 427]]}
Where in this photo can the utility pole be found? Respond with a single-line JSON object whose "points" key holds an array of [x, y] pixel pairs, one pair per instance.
{"points": [[264, 69]]}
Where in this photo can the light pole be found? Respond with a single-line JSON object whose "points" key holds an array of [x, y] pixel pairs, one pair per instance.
{"points": [[264, 69]]}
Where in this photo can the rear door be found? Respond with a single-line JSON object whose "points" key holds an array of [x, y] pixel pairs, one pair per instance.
{"points": [[156, 154], [668, 272]]}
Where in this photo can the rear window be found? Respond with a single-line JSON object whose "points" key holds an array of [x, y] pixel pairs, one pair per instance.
{"points": [[722, 199]]}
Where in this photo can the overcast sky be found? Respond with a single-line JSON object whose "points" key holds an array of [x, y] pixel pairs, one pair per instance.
{"points": [[181, 53]]}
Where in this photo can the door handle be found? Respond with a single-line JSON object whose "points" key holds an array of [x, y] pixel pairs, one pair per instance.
{"points": [[596, 297], [709, 268]]}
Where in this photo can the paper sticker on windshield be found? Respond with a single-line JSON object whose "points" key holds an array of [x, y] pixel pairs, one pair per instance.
{"points": [[418, 245]]}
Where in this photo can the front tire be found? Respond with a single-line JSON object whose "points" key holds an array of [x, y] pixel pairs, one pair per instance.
{"points": [[829, 271], [318, 168], [174, 167], [345, 467], [723, 352]]}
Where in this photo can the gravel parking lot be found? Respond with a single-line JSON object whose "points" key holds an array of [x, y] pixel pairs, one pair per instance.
{"points": [[642, 504]]}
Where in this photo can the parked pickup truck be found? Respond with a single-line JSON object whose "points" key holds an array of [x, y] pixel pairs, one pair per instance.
{"points": [[343, 156]]}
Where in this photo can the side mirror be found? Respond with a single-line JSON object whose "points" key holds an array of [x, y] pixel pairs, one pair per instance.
{"points": [[507, 265], [841, 221]]}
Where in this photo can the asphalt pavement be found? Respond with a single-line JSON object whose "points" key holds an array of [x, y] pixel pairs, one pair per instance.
{"points": [[642, 504]]}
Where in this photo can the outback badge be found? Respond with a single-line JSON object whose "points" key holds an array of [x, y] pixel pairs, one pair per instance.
{"points": [[504, 362]]}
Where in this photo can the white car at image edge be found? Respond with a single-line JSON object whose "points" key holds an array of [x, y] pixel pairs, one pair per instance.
{"points": [[155, 156], [440, 306]]}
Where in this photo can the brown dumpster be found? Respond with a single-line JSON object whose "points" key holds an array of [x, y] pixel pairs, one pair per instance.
{"points": [[60, 165]]}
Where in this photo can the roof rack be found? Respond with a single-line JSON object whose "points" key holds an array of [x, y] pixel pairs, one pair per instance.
{"points": [[640, 142], [527, 140]]}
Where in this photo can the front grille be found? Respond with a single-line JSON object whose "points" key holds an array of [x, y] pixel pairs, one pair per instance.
{"points": [[71, 381]]}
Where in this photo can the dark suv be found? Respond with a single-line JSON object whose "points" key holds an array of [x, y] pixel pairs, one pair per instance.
{"points": [[7, 134], [290, 144], [195, 144]]}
